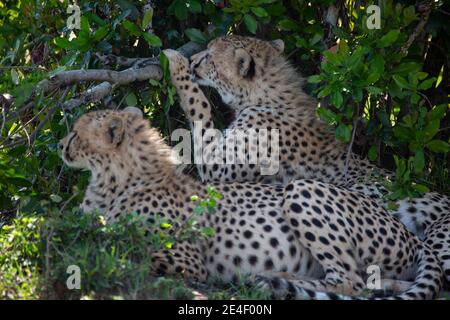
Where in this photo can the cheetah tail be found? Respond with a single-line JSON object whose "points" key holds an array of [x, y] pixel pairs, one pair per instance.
{"points": [[429, 277], [426, 286]]}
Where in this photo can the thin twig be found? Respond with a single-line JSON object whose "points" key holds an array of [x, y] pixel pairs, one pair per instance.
{"points": [[23, 67], [423, 21]]}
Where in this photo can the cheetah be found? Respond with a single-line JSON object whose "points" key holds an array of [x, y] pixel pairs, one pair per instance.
{"points": [[307, 240], [265, 91]]}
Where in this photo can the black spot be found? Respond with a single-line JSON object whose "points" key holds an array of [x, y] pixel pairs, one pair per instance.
{"points": [[296, 207], [317, 223], [268, 264], [274, 242], [309, 236], [306, 194], [253, 260], [248, 234]]}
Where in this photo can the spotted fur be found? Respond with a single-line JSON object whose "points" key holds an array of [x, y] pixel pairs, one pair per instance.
{"points": [[316, 235], [266, 92]]}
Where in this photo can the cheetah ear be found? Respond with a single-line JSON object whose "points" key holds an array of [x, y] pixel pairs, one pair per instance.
{"points": [[115, 131], [278, 45], [134, 110], [246, 64]]}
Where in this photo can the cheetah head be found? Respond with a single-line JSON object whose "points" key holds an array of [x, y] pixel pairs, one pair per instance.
{"points": [[98, 137], [237, 66]]}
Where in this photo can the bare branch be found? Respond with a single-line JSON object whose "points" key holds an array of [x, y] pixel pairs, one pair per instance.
{"points": [[91, 95], [149, 68], [111, 59]]}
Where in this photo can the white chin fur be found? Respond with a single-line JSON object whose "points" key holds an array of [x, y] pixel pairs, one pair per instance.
{"points": [[73, 164], [203, 82]]}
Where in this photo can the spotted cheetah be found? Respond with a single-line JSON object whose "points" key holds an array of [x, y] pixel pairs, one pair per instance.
{"points": [[265, 91], [305, 240]]}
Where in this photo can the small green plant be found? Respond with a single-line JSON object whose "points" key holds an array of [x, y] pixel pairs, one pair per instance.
{"points": [[20, 251], [190, 229]]}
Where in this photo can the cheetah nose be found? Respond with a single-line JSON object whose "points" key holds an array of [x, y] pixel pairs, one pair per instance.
{"points": [[60, 145]]}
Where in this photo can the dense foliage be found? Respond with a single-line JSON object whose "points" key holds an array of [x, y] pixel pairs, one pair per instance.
{"points": [[385, 91]]}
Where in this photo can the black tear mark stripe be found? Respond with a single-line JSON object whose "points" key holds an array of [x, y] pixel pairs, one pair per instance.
{"points": [[68, 157]]}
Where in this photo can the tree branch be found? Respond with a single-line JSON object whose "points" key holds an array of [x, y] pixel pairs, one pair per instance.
{"points": [[142, 69], [147, 68]]}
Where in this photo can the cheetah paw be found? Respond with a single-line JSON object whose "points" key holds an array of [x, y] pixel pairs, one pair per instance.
{"points": [[178, 65]]}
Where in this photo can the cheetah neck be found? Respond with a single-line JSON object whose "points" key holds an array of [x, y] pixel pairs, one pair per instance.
{"points": [[279, 87]]}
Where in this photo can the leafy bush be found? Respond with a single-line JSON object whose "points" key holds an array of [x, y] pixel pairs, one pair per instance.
{"points": [[371, 81], [114, 259]]}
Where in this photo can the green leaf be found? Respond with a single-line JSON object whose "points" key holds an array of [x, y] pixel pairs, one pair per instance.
{"points": [[147, 19], [132, 28], [401, 82], [259, 12], [431, 129], [194, 6], [168, 245], [250, 23], [287, 25], [131, 99], [336, 98], [208, 232], [406, 68], [377, 64], [373, 77], [165, 225], [333, 58], [402, 133], [63, 43], [425, 85], [327, 115], [419, 161], [15, 77], [181, 11], [344, 132], [315, 39], [101, 33], [152, 39], [324, 92], [196, 35], [373, 153], [374, 90], [438, 146], [315, 79], [55, 198], [340, 33], [22, 92], [388, 38], [438, 112], [420, 188], [392, 205], [199, 210]]}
